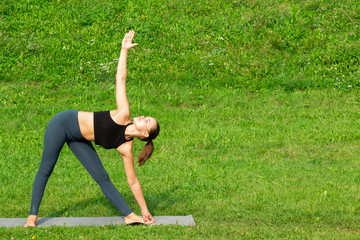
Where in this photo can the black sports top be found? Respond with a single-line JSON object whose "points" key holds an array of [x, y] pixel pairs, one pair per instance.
{"points": [[108, 133]]}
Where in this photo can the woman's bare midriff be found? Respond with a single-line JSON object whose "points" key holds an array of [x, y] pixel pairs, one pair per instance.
{"points": [[86, 124]]}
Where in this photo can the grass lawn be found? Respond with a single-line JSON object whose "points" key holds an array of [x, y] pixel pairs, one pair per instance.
{"points": [[258, 102], [253, 165]]}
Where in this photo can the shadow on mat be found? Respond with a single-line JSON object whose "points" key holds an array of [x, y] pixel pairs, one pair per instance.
{"points": [[43, 220]]}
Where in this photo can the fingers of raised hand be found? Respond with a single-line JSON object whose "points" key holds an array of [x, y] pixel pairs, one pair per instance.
{"points": [[130, 34]]}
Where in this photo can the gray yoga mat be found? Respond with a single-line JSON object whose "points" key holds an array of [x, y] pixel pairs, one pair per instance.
{"points": [[94, 221]]}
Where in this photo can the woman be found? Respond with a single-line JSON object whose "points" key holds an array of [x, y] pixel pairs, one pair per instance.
{"points": [[111, 129]]}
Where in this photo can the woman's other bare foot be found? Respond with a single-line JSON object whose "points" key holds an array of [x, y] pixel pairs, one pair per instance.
{"points": [[132, 218], [31, 221]]}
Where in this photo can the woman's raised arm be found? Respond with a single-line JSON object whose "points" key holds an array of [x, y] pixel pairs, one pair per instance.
{"points": [[121, 98]]}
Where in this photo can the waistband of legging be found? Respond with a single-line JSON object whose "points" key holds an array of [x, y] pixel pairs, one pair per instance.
{"points": [[73, 128]]}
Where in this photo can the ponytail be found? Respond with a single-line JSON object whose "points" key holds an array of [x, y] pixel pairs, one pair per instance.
{"points": [[149, 146], [146, 152]]}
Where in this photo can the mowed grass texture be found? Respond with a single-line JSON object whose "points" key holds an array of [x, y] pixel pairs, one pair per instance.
{"points": [[258, 104], [253, 44]]}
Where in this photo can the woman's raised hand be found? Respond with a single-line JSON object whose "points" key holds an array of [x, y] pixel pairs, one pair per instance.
{"points": [[127, 41]]}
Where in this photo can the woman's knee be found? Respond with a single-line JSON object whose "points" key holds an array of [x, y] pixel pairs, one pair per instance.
{"points": [[44, 172], [102, 178]]}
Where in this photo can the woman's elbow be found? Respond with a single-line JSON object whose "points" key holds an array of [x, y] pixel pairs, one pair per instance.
{"points": [[120, 77], [133, 181]]}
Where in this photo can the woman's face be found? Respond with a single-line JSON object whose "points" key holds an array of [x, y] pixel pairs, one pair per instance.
{"points": [[144, 124]]}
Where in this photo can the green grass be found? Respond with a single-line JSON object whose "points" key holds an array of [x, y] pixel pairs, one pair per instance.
{"points": [[251, 165], [258, 103], [252, 44]]}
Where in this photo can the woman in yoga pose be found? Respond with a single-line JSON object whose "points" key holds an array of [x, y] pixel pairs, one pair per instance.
{"points": [[111, 129]]}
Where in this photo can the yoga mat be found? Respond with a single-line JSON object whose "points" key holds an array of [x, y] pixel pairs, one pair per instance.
{"points": [[94, 221]]}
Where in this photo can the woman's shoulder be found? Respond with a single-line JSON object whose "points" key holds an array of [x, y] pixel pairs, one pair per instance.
{"points": [[126, 148], [121, 118]]}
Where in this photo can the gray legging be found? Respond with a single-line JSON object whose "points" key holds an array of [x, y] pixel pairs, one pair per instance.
{"points": [[64, 127]]}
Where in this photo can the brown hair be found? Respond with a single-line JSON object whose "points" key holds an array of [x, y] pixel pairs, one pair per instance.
{"points": [[148, 149]]}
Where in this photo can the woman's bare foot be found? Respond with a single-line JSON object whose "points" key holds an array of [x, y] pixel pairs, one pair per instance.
{"points": [[31, 221], [132, 218]]}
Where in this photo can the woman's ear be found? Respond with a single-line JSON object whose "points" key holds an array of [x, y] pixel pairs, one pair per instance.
{"points": [[145, 134]]}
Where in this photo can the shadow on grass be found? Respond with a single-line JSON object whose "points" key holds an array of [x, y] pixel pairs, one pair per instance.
{"points": [[81, 206], [157, 202], [163, 202]]}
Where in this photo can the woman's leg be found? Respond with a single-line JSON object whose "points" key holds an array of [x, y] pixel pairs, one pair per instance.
{"points": [[54, 140], [89, 158]]}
